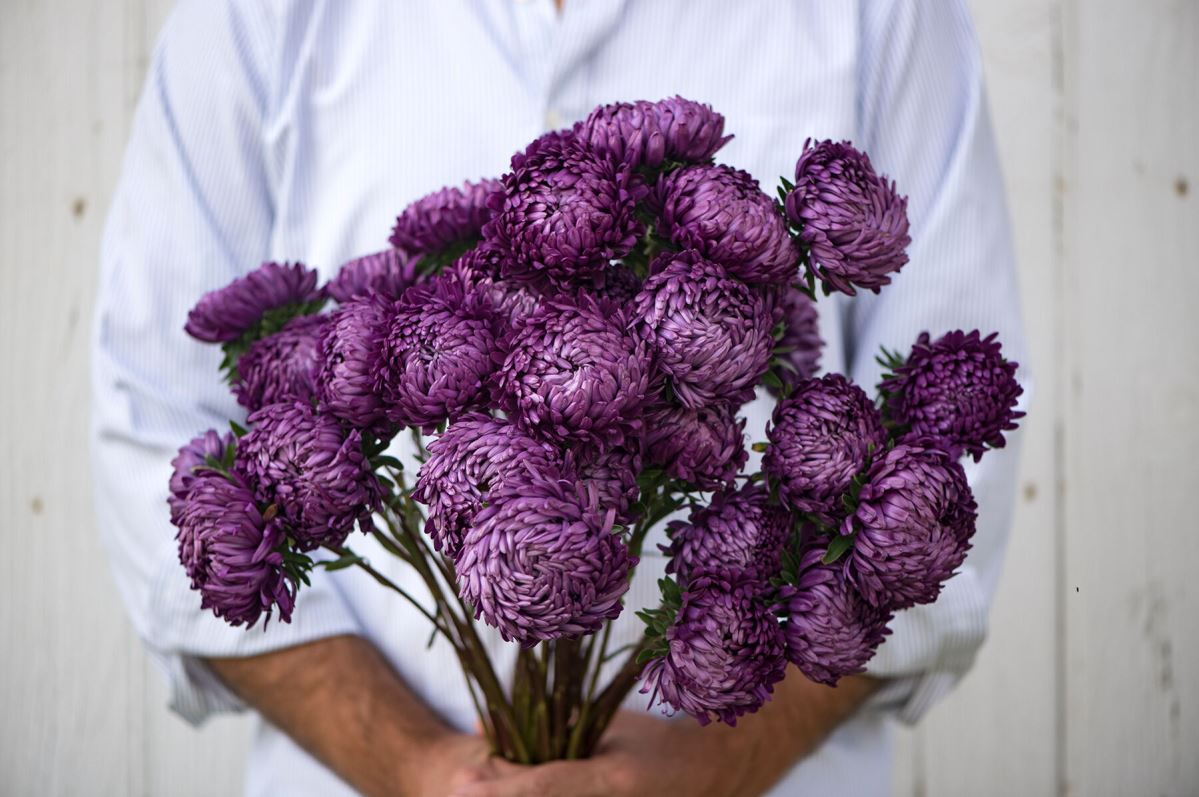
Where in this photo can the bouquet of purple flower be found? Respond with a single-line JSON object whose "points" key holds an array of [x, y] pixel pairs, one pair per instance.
{"points": [[579, 337]]}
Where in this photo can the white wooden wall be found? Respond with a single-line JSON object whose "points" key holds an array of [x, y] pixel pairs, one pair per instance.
{"points": [[1089, 684]]}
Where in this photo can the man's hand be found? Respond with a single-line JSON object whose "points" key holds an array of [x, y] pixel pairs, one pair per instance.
{"points": [[644, 755]]}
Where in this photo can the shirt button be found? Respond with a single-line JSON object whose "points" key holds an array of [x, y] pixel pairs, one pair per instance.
{"points": [[553, 120]]}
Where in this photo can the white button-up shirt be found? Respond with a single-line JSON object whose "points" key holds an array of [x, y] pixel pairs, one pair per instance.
{"points": [[297, 130]]}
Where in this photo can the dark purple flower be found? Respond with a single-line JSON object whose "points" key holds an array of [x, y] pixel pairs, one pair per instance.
{"points": [[726, 651], [231, 553], [475, 456], [704, 447], [513, 301], [283, 366], [957, 390], [914, 521], [801, 344], [739, 530], [852, 221], [720, 212], [438, 353], [191, 456], [831, 631], [352, 346], [228, 313], [444, 218], [564, 213], [311, 470], [711, 333], [820, 438], [611, 471], [643, 133], [388, 273], [575, 373], [541, 562], [693, 131]]}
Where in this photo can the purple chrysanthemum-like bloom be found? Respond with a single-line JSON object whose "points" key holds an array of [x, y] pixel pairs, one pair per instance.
{"points": [[711, 333], [820, 438], [575, 373], [512, 301], [283, 366], [474, 457], [831, 631], [611, 471], [957, 390], [438, 353], [723, 214], [643, 133], [914, 521], [704, 447], [563, 215], [739, 530], [226, 314], [191, 456], [444, 218], [618, 283], [230, 552], [388, 274], [352, 348], [801, 342], [311, 469], [726, 651], [853, 222], [541, 562]]}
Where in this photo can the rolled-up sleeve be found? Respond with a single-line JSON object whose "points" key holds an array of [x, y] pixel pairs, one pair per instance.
{"points": [[192, 210], [923, 118]]}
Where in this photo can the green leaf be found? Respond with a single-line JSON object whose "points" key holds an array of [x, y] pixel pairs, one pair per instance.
{"points": [[838, 547], [342, 562], [389, 461], [239, 431], [771, 379]]}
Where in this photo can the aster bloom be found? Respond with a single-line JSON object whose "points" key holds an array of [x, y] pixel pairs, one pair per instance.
{"points": [[575, 373], [914, 521], [643, 133], [725, 651], [388, 273], [283, 366], [957, 390], [231, 553], [711, 333], [611, 471], [723, 214], [800, 344], [564, 213], [820, 438], [541, 562], [511, 300], [311, 469], [475, 456], [437, 354], [277, 290], [443, 219], [352, 348], [738, 530], [853, 222], [831, 630], [704, 447], [194, 455]]}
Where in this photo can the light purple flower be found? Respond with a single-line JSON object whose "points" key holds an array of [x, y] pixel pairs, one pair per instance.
{"points": [[444, 218], [283, 366], [739, 530], [704, 447], [388, 273], [642, 133], [191, 456], [278, 289]]}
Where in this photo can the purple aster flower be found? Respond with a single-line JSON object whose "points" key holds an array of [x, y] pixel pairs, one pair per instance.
{"points": [[575, 373], [283, 366], [821, 437], [352, 348], [643, 133], [231, 553], [720, 212], [831, 631], [564, 213], [476, 456], [617, 283], [704, 447], [852, 221], [711, 333], [191, 456], [311, 470], [388, 273], [541, 562], [957, 390], [611, 471], [914, 521], [726, 651], [801, 343], [444, 218], [513, 301], [739, 530], [439, 351], [226, 314]]}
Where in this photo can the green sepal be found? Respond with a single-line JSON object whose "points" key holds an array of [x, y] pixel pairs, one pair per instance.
{"points": [[838, 546]]}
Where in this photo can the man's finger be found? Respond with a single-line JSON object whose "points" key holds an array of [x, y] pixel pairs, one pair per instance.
{"points": [[556, 779]]}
